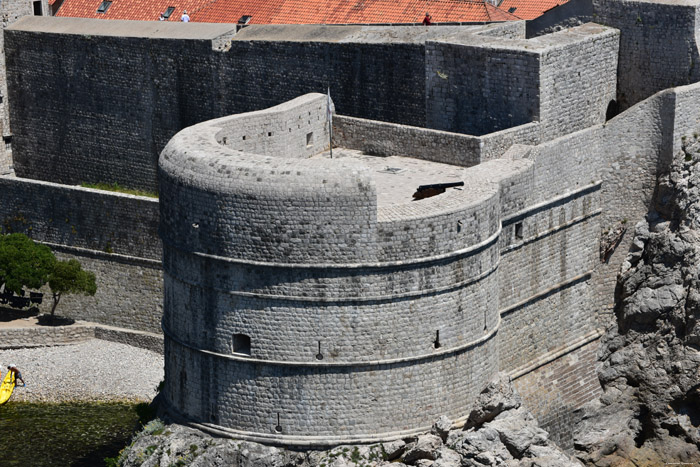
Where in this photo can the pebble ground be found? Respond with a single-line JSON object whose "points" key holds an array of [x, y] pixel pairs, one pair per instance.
{"points": [[94, 370]]}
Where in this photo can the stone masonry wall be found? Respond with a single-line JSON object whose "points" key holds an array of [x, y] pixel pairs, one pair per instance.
{"points": [[553, 390], [658, 41], [482, 85], [10, 11], [111, 234], [80, 123], [425, 310], [658, 46], [391, 139]]}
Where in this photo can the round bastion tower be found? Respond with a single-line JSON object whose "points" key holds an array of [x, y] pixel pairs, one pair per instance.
{"points": [[304, 307]]}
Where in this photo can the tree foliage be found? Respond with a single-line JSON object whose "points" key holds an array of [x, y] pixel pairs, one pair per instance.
{"points": [[67, 278], [28, 265], [23, 263]]}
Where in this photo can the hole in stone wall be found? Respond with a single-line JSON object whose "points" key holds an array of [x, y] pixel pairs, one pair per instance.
{"points": [[269, 133], [243, 137], [459, 226], [241, 344], [310, 138], [436, 343], [613, 110], [519, 231]]}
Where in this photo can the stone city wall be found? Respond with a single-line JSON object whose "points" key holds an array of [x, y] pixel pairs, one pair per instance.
{"points": [[113, 235], [79, 123], [658, 41], [481, 85], [391, 139], [552, 389], [10, 11]]}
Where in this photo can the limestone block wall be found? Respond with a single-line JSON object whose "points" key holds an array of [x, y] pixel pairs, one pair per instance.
{"points": [[658, 41], [354, 323], [658, 46], [111, 234], [482, 85], [80, 123], [391, 139], [93, 112], [10, 11]]}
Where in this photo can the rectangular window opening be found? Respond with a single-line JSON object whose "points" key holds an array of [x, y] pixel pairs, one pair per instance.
{"points": [[37, 9], [519, 231], [309, 139], [104, 6], [241, 344]]}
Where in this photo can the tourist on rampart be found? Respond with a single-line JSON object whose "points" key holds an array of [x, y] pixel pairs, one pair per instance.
{"points": [[162, 18], [428, 20], [18, 376], [185, 18]]}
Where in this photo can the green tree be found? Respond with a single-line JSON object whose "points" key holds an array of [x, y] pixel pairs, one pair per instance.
{"points": [[67, 278], [23, 263]]}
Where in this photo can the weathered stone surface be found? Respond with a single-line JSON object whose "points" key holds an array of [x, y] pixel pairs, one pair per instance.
{"points": [[650, 412], [425, 448], [497, 397], [441, 427]]}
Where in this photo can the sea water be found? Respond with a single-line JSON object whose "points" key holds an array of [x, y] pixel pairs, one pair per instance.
{"points": [[68, 434]]}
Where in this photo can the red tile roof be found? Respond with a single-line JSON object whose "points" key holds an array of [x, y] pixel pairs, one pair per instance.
{"points": [[294, 11], [530, 9], [141, 10]]}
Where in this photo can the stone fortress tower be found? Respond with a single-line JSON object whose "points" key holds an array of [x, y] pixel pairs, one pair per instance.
{"points": [[308, 300], [297, 308]]}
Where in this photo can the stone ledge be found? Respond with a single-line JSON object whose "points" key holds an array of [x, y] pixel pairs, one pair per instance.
{"points": [[49, 336]]}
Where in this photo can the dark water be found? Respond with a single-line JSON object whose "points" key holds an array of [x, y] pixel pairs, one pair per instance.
{"points": [[61, 435]]}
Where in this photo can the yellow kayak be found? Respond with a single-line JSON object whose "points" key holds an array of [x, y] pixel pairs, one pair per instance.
{"points": [[8, 385]]}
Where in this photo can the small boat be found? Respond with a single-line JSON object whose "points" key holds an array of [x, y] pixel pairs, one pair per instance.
{"points": [[8, 385]]}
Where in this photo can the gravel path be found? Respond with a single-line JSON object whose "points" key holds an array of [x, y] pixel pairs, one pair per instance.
{"points": [[95, 370]]}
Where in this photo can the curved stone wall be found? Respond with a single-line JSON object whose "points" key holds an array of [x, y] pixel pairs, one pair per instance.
{"points": [[289, 293]]}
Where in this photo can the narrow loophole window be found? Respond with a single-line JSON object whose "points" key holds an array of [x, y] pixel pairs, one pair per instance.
{"points": [[436, 342], [310, 138], [519, 231]]}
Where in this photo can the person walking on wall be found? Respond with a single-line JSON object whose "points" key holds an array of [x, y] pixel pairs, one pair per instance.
{"points": [[162, 18], [428, 20], [18, 376], [185, 18]]}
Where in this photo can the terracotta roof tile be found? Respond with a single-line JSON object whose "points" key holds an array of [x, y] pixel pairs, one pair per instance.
{"points": [[529, 9], [294, 11], [139, 10]]}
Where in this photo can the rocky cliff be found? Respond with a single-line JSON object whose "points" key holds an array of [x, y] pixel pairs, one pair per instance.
{"points": [[650, 410]]}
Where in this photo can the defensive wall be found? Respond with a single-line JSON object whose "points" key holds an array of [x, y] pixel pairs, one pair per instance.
{"points": [[114, 235], [627, 152], [92, 112], [549, 273], [658, 40], [11, 11]]}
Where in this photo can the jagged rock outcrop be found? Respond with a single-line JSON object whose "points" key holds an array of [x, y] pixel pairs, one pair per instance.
{"points": [[650, 410], [499, 431]]}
